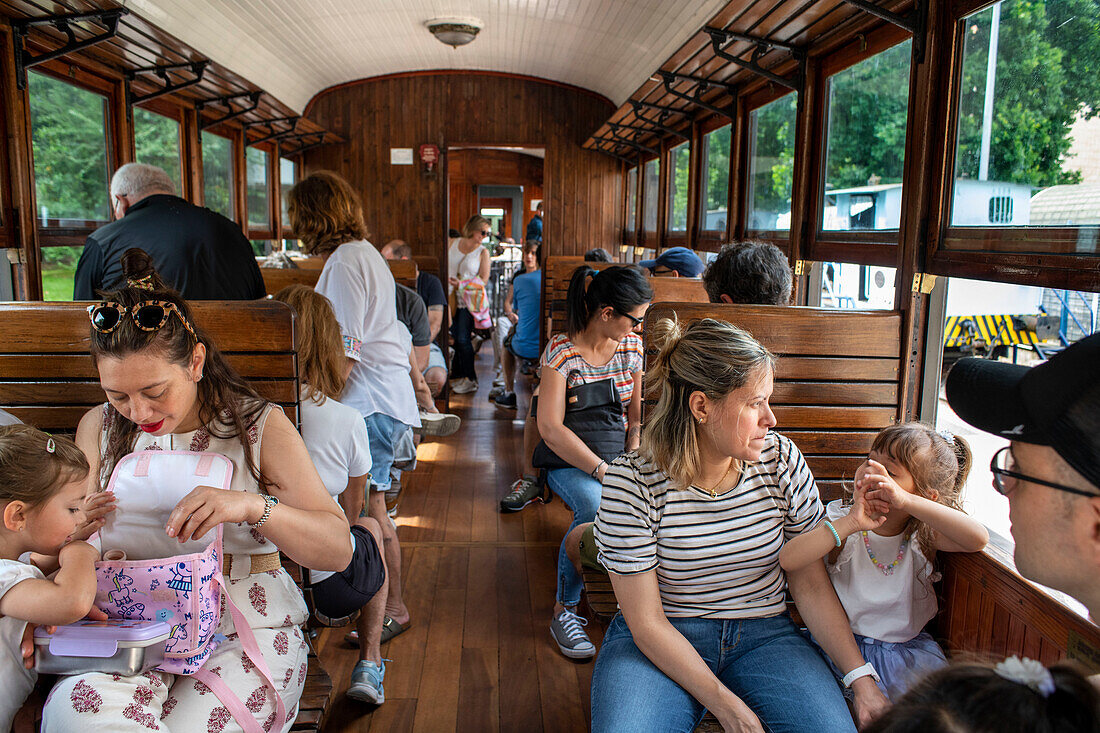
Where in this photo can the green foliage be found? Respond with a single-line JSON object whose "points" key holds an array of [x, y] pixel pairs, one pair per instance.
{"points": [[256, 167], [157, 142], [680, 157], [868, 105], [631, 198], [1047, 73], [773, 128], [716, 174], [58, 271], [217, 173], [68, 135]]}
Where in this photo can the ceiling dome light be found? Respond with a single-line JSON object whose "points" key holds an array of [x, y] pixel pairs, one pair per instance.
{"points": [[454, 32]]}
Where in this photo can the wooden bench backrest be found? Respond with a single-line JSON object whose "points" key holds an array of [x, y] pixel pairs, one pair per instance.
{"points": [[555, 284], [429, 264], [836, 384], [47, 378], [404, 272], [275, 279]]}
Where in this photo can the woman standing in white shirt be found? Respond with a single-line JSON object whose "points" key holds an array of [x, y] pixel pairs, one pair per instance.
{"points": [[466, 260]]}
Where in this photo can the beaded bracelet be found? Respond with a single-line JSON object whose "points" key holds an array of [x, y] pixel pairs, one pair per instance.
{"points": [[836, 536]]}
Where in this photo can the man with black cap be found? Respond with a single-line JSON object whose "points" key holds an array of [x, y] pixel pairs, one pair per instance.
{"points": [[1050, 471]]}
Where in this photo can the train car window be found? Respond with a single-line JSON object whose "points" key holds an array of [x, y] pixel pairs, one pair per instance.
{"points": [[1009, 322], [679, 161], [771, 164], [716, 180], [865, 146], [651, 185], [1027, 129], [257, 166], [263, 247], [631, 200], [217, 174], [69, 141], [288, 176], [856, 287], [157, 142]]}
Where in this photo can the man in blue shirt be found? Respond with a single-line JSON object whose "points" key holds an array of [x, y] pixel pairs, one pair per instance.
{"points": [[534, 227], [522, 308]]}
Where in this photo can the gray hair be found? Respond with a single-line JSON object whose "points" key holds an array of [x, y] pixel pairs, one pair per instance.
{"points": [[138, 180]]}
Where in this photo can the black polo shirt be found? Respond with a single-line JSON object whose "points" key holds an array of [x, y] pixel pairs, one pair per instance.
{"points": [[198, 251]]}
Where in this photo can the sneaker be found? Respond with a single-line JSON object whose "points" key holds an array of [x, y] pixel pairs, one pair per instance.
{"points": [[567, 628], [498, 380], [524, 491], [506, 400], [393, 497], [464, 386], [495, 391], [440, 424], [366, 683]]}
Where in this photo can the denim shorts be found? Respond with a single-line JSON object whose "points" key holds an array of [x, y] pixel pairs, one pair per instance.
{"points": [[435, 357], [386, 434]]}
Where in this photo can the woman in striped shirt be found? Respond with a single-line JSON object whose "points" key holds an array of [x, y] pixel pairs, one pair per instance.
{"points": [[690, 527], [603, 312]]}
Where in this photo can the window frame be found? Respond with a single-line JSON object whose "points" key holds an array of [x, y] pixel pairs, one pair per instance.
{"points": [[648, 238], [713, 239], [111, 90], [880, 247], [678, 238], [1044, 256], [748, 104], [272, 152], [283, 226], [236, 173], [630, 228], [174, 112]]}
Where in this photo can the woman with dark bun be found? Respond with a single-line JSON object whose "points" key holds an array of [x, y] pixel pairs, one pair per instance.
{"points": [[169, 388], [603, 314], [690, 527]]}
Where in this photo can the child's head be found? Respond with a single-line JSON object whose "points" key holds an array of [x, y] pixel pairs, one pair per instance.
{"points": [[977, 698], [924, 462], [43, 480], [320, 346]]}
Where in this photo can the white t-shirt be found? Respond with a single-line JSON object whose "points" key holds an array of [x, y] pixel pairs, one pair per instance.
{"points": [[336, 438], [358, 283], [16, 682], [892, 608]]}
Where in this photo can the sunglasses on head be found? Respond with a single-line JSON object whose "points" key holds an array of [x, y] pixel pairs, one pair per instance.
{"points": [[148, 315]]}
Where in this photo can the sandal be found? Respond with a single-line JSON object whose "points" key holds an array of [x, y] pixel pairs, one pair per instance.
{"points": [[391, 628]]}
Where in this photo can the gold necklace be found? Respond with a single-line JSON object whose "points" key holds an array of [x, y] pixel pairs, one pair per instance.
{"points": [[713, 491]]}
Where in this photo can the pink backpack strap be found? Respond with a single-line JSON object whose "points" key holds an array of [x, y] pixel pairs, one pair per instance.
{"points": [[227, 697]]}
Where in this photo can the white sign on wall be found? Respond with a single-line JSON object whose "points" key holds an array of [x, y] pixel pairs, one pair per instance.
{"points": [[401, 156]]}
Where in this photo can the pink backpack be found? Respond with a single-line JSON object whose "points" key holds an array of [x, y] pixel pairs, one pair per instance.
{"points": [[476, 300], [184, 591]]}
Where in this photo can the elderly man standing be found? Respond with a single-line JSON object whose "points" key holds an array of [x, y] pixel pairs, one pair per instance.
{"points": [[1050, 471], [200, 252]]}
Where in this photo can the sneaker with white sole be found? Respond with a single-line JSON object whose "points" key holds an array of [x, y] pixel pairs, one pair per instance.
{"points": [[464, 386], [506, 401], [439, 424], [567, 628], [524, 491], [366, 682]]}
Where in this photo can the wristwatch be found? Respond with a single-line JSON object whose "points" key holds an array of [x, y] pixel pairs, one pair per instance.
{"points": [[865, 671], [270, 502]]}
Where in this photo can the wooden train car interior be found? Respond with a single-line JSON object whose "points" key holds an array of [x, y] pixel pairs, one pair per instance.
{"points": [[931, 203]]}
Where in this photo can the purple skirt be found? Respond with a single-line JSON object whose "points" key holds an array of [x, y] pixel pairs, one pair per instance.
{"points": [[899, 665]]}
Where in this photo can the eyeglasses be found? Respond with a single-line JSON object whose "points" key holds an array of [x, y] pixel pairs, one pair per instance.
{"points": [[148, 315], [1004, 478], [487, 233], [636, 321]]}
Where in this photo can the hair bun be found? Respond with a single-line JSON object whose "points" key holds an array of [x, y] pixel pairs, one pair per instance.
{"points": [[139, 271]]}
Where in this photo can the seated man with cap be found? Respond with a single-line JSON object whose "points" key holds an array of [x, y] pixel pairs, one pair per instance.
{"points": [[674, 262], [1050, 471]]}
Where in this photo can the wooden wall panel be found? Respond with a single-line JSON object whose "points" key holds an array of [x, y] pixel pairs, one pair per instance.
{"points": [[469, 168], [581, 188]]}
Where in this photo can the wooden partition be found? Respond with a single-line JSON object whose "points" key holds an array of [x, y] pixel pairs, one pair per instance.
{"points": [[275, 279], [47, 378], [404, 272]]}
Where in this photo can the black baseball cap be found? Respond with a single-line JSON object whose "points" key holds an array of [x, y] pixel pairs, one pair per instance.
{"points": [[1056, 403]]}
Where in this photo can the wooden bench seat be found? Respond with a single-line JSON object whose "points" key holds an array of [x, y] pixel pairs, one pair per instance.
{"points": [[47, 379], [275, 279]]}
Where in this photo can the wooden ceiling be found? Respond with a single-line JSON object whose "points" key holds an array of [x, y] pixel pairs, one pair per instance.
{"points": [[787, 29], [140, 44]]}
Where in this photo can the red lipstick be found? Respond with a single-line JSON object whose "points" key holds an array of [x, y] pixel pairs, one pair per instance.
{"points": [[152, 427]]}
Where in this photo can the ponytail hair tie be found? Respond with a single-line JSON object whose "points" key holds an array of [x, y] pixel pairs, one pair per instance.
{"points": [[51, 446], [947, 435], [141, 283], [1027, 672]]}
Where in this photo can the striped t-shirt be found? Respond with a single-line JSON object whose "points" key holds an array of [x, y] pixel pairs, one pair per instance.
{"points": [[714, 557], [562, 356]]}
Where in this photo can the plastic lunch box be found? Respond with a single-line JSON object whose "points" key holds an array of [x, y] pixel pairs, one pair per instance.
{"points": [[115, 647]]}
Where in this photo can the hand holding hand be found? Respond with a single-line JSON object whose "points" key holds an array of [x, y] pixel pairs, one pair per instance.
{"points": [[206, 507], [881, 488]]}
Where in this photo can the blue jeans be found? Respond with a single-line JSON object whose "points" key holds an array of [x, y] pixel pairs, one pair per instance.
{"points": [[581, 493], [462, 331], [384, 433], [764, 661]]}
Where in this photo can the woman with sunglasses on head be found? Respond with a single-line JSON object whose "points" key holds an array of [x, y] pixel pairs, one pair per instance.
{"points": [[603, 316], [169, 388], [466, 260]]}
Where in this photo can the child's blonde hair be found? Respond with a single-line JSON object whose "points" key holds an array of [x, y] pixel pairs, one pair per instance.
{"points": [[320, 346], [938, 463], [34, 465]]}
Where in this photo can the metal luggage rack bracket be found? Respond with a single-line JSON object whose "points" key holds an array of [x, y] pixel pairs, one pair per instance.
{"points": [[227, 102], [63, 23], [198, 68], [720, 37]]}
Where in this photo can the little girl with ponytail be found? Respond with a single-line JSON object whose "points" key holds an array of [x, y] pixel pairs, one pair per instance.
{"points": [[880, 547]]}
